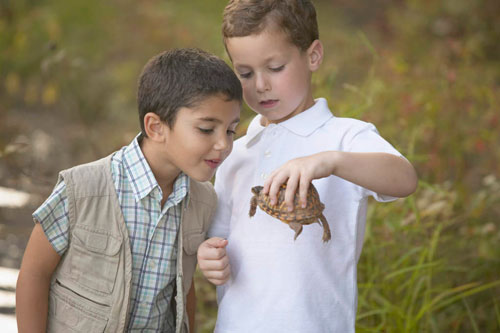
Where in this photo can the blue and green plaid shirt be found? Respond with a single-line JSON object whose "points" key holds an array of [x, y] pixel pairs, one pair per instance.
{"points": [[152, 231]]}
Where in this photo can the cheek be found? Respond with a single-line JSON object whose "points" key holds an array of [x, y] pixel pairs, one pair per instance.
{"points": [[247, 90], [197, 146], [191, 147], [291, 81]]}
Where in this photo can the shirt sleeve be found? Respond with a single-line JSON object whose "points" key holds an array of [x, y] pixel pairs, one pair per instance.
{"points": [[366, 139], [54, 218]]}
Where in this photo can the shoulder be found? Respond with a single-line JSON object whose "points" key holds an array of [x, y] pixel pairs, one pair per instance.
{"points": [[346, 125], [57, 197], [345, 130], [361, 136], [86, 177], [53, 216], [88, 168]]}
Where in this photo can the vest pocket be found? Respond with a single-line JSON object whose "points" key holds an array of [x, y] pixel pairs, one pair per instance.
{"points": [[70, 312], [94, 263]]}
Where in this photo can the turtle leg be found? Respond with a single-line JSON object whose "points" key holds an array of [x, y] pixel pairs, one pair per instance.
{"points": [[253, 206], [297, 227], [326, 229]]}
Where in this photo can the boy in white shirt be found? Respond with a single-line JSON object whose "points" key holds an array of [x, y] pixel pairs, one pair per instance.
{"points": [[267, 282]]}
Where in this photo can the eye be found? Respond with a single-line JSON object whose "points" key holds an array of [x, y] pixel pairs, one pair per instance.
{"points": [[245, 75], [277, 69], [205, 130], [231, 133]]}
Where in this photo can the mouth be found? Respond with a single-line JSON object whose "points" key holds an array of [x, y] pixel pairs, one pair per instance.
{"points": [[268, 103], [213, 163]]}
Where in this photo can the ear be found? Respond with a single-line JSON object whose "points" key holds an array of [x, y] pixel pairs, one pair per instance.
{"points": [[315, 55], [154, 127]]}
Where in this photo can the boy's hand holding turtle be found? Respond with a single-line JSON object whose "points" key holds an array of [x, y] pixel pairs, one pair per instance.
{"points": [[383, 173], [298, 174], [213, 260]]}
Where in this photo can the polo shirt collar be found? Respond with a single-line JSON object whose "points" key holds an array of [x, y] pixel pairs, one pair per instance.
{"points": [[303, 124]]}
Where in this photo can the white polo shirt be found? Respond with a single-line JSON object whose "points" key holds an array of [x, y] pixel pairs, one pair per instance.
{"points": [[278, 284]]}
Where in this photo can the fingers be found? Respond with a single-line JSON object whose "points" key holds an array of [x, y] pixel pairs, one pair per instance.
{"points": [[215, 242], [302, 183], [219, 279], [291, 188], [211, 253], [292, 174], [212, 249], [216, 271], [298, 174], [303, 188], [213, 260], [268, 182], [214, 265], [277, 180]]}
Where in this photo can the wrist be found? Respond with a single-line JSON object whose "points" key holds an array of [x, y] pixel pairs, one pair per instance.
{"points": [[331, 161]]}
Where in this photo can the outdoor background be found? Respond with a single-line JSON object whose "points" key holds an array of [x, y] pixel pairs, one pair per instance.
{"points": [[426, 73]]}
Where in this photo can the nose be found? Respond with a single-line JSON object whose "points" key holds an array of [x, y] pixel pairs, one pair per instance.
{"points": [[262, 83], [224, 142]]}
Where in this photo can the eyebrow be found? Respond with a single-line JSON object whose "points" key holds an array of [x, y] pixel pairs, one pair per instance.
{"points": [[265, 61], [241, 66], [215, 120]]}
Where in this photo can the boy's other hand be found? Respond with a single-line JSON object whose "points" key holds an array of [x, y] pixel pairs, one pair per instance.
{"points": [[298, 173], [213, 260]]}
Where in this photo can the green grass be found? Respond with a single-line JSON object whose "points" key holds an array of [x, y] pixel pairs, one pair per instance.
{"points": [[413, 273]]}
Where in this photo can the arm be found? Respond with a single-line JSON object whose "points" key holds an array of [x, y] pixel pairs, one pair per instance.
{"points": [[213, 260], [382, 173], [191, 306], [32, 290]]}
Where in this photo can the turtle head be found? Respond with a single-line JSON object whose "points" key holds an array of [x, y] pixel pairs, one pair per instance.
{"points": [[257, 189]]}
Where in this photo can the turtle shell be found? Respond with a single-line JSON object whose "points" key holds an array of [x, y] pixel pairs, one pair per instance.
{"points": [[312, 211]]}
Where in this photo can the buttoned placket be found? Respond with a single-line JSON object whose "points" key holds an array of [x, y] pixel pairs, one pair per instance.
{"points": [[159, 216], [151, 234], [265, 164]]}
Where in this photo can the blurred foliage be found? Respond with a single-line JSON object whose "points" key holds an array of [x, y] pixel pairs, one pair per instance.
{"points": [[426, 73], [427, 263]]}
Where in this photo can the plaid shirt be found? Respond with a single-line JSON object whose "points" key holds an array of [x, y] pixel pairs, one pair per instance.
{"points": [[152, 232]]}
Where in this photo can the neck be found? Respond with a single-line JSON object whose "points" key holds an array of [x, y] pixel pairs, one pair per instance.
{"points": [[165, 173]]}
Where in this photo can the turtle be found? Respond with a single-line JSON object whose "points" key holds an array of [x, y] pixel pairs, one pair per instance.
{"points": [[299, 216]]}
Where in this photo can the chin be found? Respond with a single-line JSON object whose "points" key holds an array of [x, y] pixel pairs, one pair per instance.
{"points": [[274, 117], [202, 180], [201, 177]]}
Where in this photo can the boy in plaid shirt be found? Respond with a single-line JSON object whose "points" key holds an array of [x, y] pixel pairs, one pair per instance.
{"points": [[114, 246]]}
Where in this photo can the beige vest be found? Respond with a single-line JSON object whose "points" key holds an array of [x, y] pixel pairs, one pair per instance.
{"points": [[91, 285]]}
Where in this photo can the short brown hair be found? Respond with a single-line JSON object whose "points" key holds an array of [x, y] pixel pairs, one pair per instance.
{"points": [[297, 18], [183, 78]]}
